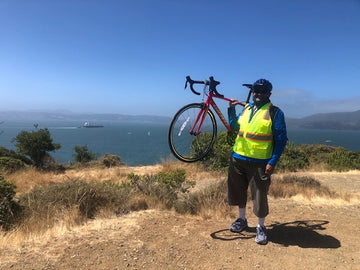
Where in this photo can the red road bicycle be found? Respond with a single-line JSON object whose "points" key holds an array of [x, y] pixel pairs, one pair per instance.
{"points": [[193, 130]]}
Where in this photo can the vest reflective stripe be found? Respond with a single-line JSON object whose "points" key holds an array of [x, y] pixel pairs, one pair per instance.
{"points": [[255, 138], [259, 137]]}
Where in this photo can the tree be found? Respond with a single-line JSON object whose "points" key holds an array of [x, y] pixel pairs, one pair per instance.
{"points": [[36, 145], [83, 154]]}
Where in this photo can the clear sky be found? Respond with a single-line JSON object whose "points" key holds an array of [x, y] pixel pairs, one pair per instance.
{"points": [[132, 56]]}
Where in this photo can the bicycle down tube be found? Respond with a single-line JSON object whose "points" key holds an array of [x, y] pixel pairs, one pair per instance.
{"points": [[210, 102]]}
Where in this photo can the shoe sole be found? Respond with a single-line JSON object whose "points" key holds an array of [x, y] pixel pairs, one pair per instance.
{"points": [[261, 242], [235, 231]]}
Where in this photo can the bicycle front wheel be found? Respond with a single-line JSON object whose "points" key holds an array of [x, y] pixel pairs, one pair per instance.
{"points": [[185, 145]]}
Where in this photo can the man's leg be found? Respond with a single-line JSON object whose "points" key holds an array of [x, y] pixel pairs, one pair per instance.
{"points": [[259, 184], [237, 192]]}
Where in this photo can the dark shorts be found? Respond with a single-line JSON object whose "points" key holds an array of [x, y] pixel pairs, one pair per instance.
{"points": [[243, 174]]}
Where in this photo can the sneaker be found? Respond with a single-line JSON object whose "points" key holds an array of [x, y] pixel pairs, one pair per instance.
{"points": [[261, 235], [238, 225]]}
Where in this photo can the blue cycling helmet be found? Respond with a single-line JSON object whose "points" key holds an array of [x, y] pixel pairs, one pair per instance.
{"points": [[262, 85]]}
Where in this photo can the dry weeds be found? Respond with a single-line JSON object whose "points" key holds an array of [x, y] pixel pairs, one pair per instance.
{"points": [[346, 186]]}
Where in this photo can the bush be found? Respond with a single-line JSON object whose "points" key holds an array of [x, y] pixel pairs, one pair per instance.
{"points": [[219, 156], [318, 153], [54, 167], [165, 187], [291, 185], [10, 165], [293, 159], [342, 160], [83, 154], [4, 152], [45, 204], [109, 160], [9, 209], [213, 197]]}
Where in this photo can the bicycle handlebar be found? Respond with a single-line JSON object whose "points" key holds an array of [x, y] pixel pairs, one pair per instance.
{"points": [[212, 85]]}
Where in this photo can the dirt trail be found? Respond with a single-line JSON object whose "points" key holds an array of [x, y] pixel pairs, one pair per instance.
{"points": [[302, 235]]}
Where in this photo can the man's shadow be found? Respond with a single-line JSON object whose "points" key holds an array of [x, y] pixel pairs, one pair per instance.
{"points": [[303, 233]]}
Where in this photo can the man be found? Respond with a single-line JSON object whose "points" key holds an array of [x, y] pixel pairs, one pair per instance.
{"points": [[258, 146]]}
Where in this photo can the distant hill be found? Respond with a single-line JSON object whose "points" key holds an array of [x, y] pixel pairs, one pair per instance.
{"points": [[338, 120], [63, 116]]}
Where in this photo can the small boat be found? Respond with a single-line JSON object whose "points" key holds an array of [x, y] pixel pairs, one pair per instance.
{"points": [[88, 125]]}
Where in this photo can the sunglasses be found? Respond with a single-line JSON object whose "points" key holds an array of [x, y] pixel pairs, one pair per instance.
{"points": [[259, 90]]}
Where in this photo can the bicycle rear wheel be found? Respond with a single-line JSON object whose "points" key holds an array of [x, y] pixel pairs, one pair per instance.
{"points": [[189, 147]]}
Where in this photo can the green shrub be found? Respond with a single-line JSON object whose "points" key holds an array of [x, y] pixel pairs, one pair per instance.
{"points": [[342, 160], [46, 203], [219, 156], [293, 159], [318, 153], [83, 154], [9, 209], [109, 160], [200, 142], [10, 165], [4, 152], [163, 186], [213, 196]]}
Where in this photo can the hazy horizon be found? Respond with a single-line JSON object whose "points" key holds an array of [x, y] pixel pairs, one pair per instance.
{"points": [[69, 113]]}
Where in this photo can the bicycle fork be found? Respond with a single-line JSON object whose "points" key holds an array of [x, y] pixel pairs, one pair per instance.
{"points": [[202, 114]]}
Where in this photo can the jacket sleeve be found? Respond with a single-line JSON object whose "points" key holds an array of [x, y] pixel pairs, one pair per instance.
{"points": [[280, 136], [233, 119]]}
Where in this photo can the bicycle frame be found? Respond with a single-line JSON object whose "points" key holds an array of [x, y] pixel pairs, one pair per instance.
{"points": [[202, 113]]}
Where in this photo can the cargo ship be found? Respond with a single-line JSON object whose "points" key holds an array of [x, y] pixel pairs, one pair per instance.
{"points": [[88, 125]]}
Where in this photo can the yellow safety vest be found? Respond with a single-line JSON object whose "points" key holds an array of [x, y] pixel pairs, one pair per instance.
{"points": [[255, 138]]}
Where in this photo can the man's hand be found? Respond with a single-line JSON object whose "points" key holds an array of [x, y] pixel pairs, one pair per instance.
{"points": [[233, 102], [269, 169]]}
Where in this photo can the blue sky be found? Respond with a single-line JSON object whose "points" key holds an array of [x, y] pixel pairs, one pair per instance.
{"points": [[132, 56]]}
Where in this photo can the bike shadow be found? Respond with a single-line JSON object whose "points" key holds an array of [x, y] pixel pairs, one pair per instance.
{"points": [[301, 233]]}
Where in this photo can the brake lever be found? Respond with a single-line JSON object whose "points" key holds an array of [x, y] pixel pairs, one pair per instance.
{"points": [[213, 85]]}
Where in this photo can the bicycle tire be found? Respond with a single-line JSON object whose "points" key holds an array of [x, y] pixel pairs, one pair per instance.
{"points": [[188, 147]]}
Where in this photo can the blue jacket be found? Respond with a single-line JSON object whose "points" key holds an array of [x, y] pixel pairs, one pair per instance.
{"points": [[279, 135]]}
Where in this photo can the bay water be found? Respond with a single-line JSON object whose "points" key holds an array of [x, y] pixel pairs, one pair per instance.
{"points": [[143, 143]]}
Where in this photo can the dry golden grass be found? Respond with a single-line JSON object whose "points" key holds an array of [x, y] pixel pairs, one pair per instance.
{"points": [[337, 189], [36, 232], [27, 179]]}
